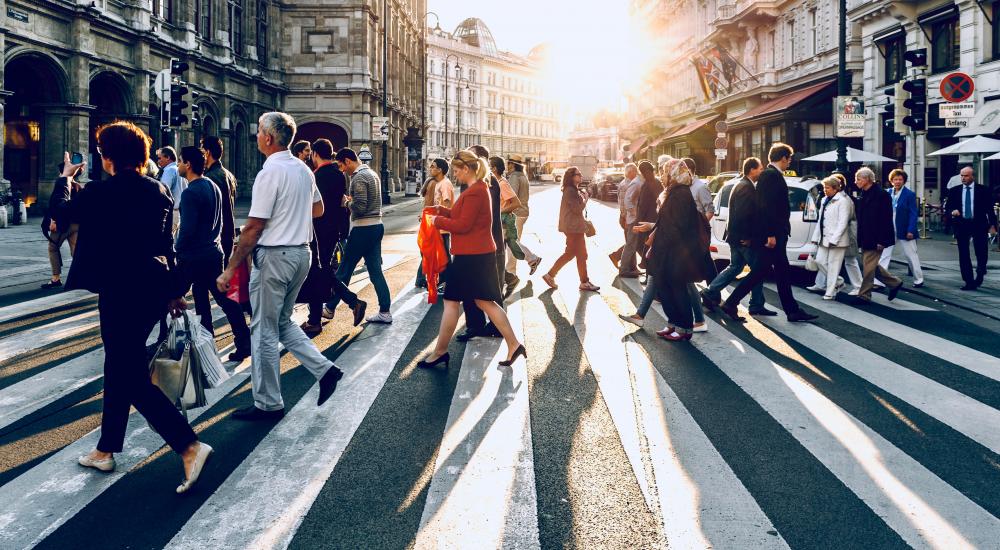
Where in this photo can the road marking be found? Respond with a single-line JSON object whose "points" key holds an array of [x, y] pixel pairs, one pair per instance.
{"points": [[966, 415], [288, 468], [39, 305], [482, 493], [52, 492], [957, 354], [50, 333], [923, 509]]}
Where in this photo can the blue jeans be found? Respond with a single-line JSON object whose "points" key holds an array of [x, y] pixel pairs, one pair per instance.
{"points": [[742, 256], [364, 242], [650, 293]]}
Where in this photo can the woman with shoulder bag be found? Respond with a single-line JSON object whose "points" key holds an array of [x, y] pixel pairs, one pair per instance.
{"points": [[125, 221], [832, 233], [573, 224]]}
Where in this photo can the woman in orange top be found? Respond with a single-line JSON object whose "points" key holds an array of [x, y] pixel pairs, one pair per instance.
{"points": [[472, 274]]}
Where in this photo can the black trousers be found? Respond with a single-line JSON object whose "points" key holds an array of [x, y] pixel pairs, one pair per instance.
{"points": [[964, 231], [768, 260], [343, 293], [126, 321], [676, 302], [201, 275]]}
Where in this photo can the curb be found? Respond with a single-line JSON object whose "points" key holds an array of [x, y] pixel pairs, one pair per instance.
{"points": [[951, 303]]}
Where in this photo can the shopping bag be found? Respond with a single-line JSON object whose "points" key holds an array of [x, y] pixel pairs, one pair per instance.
{"points": [[434, 259], [205, 356], [239, 285], [811, 264], [173, 371]]}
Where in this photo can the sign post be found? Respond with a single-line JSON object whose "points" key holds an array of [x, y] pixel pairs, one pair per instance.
{"points": [[380, 128], [850, 117]]}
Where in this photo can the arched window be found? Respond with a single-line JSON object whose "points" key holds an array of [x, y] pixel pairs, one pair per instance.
{"points": [[203, 19], [262, 30], [236, 26]]}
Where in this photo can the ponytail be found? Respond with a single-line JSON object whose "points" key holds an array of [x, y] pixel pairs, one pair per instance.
{"points": [[483, 170], [474, 163]]}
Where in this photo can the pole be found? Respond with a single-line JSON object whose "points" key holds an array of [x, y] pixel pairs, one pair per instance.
{"points": [[447, 135], [385, 99], [501, 132], [843, 86]]}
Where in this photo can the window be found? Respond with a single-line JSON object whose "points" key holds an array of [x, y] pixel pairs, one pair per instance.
{"points": [[203, 18], [773, 46], [431, 86], [164, 9], [236, 26], [945, 47], [472, 76], [262, 30], [432, 67], [790, 41], [813, 33], [895, 68]]}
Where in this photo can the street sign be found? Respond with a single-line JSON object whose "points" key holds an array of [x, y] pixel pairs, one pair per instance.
{"points": [[957, 87], [956, 122], [161, 86], [365, 154], [721, 127], [957, 110], [721, 142], [380, 128], [721, 153], [850, 119]]}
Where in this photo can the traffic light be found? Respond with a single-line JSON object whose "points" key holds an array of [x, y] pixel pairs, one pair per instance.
{"points": [[177, 104], [916, 58], [178, 68], [900, 110], [916, 104], [195, 110]]}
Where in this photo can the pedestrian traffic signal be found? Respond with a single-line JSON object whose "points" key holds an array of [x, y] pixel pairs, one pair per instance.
{"points": [[916, 104], [178, 68], [916, 58], [195, 110]]}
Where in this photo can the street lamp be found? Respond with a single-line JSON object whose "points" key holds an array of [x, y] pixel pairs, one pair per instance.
{"points": [[843, 86], [385, 99], [501, 131], [458, 89], [423, 95]]}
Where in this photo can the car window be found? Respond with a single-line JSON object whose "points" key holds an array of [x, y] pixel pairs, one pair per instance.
{"points": [[724, 195], [798, 199]]}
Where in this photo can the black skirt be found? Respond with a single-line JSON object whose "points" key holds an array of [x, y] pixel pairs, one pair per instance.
{"points": [[473, 277]]}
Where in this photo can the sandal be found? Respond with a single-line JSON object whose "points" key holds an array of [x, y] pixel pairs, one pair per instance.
{"points": [[589, 286]]}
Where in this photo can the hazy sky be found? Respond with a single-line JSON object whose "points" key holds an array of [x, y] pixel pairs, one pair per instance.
{"points": [[519, 25]]}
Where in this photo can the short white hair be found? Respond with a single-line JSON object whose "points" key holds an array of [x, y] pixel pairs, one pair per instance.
{"points": [[662, 159], [280, 126], [865, 172], [632, 166]]}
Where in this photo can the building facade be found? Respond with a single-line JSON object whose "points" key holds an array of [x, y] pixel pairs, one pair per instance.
{"points": [[959, 36], [332, 61], [70, 66], [479, 94], [766, 69]]}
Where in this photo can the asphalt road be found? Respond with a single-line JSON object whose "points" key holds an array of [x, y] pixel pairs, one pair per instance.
{"points": [[874, 427]]}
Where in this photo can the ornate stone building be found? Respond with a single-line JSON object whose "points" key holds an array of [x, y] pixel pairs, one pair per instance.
{"points": [[331, 56], [70, 66]]}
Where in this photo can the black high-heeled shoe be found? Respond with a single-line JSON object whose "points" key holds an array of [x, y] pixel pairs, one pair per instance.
{"points": [[445, 358], [520, 351]]}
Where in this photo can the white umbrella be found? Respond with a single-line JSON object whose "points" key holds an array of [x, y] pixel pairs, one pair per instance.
{"points": [[978, 144], [993, 157], [853, 155]]}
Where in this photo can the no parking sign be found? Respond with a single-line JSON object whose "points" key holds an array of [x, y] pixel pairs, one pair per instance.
{"points": [[957, 87]]}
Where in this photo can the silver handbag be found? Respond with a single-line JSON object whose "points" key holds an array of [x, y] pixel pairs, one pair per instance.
{"points": [[176, 377]]}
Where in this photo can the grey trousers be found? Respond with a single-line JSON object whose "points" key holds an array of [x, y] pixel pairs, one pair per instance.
{"points": [[278, 273]]}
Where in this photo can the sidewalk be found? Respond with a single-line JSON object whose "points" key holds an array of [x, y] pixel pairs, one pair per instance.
{"points": [[943, 278]]}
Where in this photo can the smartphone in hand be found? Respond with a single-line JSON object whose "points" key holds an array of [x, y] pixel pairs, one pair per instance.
{"points": [[77, 158]]}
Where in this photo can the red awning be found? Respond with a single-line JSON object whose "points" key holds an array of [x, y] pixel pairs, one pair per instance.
{"points": [[782, 103], [690, 127], [636, 146]]}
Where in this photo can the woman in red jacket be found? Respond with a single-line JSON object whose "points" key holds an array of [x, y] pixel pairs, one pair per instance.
{"points": [[472, 274]]}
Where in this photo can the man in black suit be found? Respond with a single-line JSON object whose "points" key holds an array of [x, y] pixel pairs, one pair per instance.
{"points": [[740, 229], [972, 215], [226, 182], [774, 228], [875, 233]]}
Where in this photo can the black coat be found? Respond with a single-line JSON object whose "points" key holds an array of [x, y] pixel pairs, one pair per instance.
{"points": [[773, 211], [125, 246], [58, 211], [742, 224], [982, 206], [681, 240], [646, 208], [874, 213], [335, 222], [226, 182]]}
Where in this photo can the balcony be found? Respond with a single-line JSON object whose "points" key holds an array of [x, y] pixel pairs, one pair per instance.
{"points": [[734, 11]]}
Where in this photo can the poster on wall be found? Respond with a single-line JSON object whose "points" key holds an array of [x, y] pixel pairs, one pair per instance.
{"points": [[849, 116]]}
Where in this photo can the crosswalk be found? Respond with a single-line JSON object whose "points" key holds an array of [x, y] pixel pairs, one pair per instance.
{"points": [[873, 427]]}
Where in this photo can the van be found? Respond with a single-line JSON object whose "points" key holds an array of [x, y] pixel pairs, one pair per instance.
{"points": [[803, 199]]}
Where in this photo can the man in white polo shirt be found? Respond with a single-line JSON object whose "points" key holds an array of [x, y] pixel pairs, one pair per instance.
{"points": [[277, 234]]}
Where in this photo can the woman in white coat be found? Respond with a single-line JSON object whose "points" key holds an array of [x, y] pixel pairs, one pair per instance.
{"points": [[831, 234]]}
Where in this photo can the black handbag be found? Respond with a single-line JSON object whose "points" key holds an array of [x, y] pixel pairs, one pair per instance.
{"points": [[318, 286]]}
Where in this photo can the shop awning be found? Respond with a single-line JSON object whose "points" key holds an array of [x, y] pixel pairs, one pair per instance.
{"points": [[986, 122], [690, 127], [782, 103], [636, 145]]}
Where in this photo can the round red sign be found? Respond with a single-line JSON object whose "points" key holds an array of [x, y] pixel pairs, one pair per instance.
{"points": [[957, 87]]}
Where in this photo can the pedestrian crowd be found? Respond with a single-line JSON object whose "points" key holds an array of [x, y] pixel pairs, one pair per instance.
{"points": [[142, 243]]}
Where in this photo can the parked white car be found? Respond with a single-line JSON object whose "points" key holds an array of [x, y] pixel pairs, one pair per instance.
{"points": [[803, 198]]}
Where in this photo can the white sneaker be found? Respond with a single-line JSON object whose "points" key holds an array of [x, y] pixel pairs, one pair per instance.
{"points": [[327, 313], [104, 465], [854, 291], [815, 288], [828, 297], [700, 327], [634, 319], [381, 317]]}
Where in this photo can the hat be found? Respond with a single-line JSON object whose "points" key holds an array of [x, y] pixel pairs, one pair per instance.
{"points": [[516, 159]]}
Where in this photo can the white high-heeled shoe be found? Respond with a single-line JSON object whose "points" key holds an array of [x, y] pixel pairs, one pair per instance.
{"points": [[204, 451], [104, 464]]}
